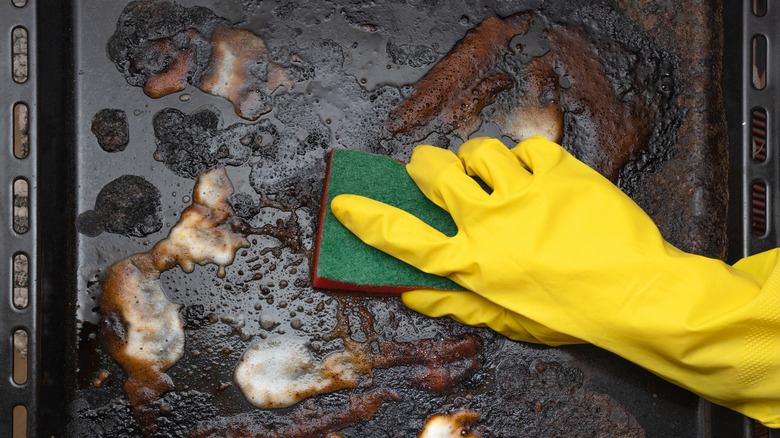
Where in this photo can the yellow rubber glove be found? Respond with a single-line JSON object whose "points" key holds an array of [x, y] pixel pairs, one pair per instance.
{"points": [[557, 254]]}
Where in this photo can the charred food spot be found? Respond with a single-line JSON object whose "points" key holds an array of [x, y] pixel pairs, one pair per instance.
{"points": [[456, 424], [163, 47], [608, 95], [128, 205], [141, 328], [240, 70], [243, 205], [111, 129], [195, 316], [414, 55], [152, 37], [451, 95], [189, 145]]}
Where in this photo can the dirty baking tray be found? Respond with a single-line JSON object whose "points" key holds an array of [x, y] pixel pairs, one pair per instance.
{"points": [[68, 169]]}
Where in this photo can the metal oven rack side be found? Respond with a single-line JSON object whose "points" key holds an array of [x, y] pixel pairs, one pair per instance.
{"points": [[35, 173], [756, 130], [18, 89], [751, 87]]}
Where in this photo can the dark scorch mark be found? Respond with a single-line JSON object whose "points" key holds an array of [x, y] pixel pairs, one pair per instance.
{"points": [[189, 145], [111, 130], [128, 205]]}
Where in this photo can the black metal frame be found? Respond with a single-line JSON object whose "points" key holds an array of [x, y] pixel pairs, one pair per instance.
{"points": [[46, 93], [741, 98], [751, 170], [11, 318]]}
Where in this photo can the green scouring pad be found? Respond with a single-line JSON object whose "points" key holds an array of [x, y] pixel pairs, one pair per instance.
{"points": [[343, 261]]}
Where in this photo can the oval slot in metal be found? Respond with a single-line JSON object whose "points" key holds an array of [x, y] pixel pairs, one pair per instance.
{"points": [[20, 421], [20, 356], [758, 208], [21, 131], [759, 8], [759, 62], [19, 54], [21, 285], [758, 134], [21, 210]]}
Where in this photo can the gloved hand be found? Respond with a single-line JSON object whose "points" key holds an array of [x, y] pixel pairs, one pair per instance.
{"points": [[557, 254]]}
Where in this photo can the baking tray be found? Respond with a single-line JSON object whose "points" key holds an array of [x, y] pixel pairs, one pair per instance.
{"points": [[71, 78]]}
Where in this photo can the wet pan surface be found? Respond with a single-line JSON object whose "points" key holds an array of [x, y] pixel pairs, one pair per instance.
{"points": [[165, 92]]}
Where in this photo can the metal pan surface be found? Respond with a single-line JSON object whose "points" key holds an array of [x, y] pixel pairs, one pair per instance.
{"points": [[149, 114]]}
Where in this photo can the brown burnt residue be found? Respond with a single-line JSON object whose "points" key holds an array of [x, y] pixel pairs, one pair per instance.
{"points": [[602, 100], [616, 127], [163, 47], [102, 376], [451, 95], [456, 424], [692, 212], [557, 401], [304, 422], [140, 327], [537, 112], [362, 407], [173, 78], [241, 71], [435, 365], [280, 371], [287, 231]]}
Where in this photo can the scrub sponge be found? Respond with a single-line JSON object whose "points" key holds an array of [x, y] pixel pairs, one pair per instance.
{"points": [[343, 261]]}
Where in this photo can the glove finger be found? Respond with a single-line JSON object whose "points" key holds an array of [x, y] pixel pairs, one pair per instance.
{"points": [[442, 178], [538, 154], [490, 160], [394, 232], [472, 309]]}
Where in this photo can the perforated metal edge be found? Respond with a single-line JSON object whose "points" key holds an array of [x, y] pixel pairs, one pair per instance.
{"points": [[740, 99], [768, 171], [11, 168]]}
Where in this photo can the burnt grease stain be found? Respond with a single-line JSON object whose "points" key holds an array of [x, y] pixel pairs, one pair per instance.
{"points": [[111, 129], [164, 47], [189, 145], [606, 88], [606, 94], [160, 29], [128, 205]]}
